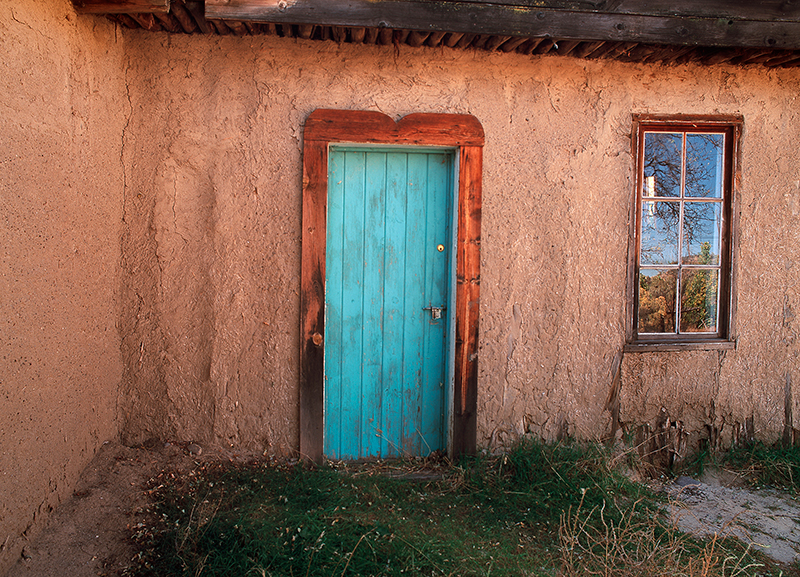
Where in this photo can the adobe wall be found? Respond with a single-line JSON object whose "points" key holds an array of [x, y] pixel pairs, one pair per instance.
{"points": [[63, 112], [212, 244]]}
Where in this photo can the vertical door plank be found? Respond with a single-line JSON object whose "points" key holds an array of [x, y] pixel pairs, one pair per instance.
{"points": [[395, 318], [334, 299], [372, 354], [416, 265], [353, 305], [439, 196]]}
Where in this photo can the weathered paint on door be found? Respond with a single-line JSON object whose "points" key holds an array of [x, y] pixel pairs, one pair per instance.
{"points": [[388, 258]]}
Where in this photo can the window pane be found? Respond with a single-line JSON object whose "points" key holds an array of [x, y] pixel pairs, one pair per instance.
{"points": [[702, 222], [704, 165], [699, 289], [662, 164], [660, 232], [657, 290]]}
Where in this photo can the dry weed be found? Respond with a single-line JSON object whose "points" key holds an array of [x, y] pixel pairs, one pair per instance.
{"points": [[641, 544]]}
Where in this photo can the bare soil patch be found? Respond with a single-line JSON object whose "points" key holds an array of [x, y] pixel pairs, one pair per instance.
{"points": [[89, 534], [719, 504]]}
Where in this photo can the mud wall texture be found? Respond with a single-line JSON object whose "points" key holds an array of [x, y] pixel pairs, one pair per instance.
{"points": [[62, 97], [212, 239]]}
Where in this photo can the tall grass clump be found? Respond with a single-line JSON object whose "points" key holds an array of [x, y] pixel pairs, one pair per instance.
{"points": [[638, 545], [774, 466], [541, 480]]}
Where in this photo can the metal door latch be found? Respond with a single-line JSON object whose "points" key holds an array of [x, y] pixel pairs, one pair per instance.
{"points": [[436, 312]]}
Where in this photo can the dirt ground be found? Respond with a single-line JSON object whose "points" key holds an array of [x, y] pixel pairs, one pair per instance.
{"points": [[88, 534], [767, 520]]}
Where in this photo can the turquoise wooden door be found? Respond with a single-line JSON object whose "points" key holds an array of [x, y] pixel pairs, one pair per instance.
{"points": [[388, 255]]}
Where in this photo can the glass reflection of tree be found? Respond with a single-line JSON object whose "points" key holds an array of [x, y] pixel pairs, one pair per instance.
{"points": [[681, 215], [699, 296], [657, 302]]}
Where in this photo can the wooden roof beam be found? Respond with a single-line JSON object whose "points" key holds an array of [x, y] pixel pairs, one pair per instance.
{"points": [[774, 29], [121, 6]]}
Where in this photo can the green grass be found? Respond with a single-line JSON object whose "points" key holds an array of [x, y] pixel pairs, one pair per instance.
{"points": [[538, 510], [763, 465]]}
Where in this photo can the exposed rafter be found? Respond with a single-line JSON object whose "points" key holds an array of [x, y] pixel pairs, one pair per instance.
{"points": [[122, 6], [566, 27], [717, 24]]}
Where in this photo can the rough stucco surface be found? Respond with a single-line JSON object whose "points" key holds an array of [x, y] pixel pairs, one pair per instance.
{"points": [[212, 238], [150, 218], [61, 78]]}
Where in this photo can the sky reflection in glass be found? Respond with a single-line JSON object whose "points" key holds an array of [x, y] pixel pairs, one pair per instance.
{"points": [[659, 232], [662, 164], [704, 165], [702, 223]]}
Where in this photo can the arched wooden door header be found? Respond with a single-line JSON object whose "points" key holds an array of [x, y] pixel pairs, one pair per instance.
{"points": [[458, 131]]}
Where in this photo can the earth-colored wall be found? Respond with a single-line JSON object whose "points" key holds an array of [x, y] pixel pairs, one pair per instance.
{"points": [[212, 244], [62, 95], [150, 222]]}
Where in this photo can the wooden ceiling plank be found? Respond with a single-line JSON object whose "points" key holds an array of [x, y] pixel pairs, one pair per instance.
{"points": [[512, 43], [640, 52], [586, 49], [198, 14], [125, 20], [121, 6], [781, 58], [494, 19], [619, 49], [465, 40], [566, 47], [760, 10], [494, 42], [604, 49], [451, 39], [147, 21], [434, 39], [184, 18], [357, 35], [480, 41], [672, 53], [339, 33], [371, 37], [758, 59], [385, 36], [719, 56], [530, 45], [221, 27], [791, 63], [169, 22], [660, 53], [544, 46], [238, 28], [416, 39]]}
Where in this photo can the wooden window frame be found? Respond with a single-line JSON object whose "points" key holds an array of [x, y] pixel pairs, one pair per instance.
{"points": [[725, 338], [460, 132]]}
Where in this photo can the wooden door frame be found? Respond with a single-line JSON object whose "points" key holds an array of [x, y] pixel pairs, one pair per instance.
{"points": [[461, 132]]}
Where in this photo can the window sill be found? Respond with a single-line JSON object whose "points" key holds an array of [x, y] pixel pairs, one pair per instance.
{"points": [[661, 346]]}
